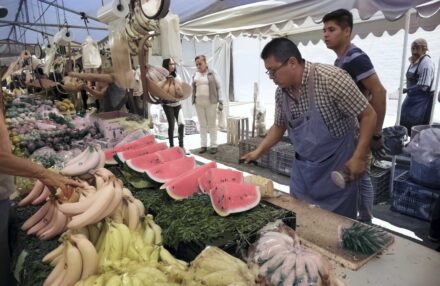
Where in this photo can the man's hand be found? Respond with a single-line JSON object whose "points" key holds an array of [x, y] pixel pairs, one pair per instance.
{"points": [[54, 180], [251, 156], [377, 147], [355, 167], [73, 74]]}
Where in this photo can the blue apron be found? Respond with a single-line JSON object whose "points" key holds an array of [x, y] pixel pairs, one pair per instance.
{"points": [[416, 108], [318, 153]]}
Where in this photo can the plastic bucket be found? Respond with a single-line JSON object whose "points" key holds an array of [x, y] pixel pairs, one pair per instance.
{"points": [[418, 128], [394, 137]]}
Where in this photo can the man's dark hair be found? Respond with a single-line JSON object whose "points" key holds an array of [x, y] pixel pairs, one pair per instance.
{"points": [[281, 49], [342, 17]]}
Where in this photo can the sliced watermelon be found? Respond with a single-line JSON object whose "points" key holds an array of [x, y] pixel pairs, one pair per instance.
{"points": [[217, 176], [142, 163], [228, 198], [185, 185], [167, 171], [123, 156], [143, 141]]}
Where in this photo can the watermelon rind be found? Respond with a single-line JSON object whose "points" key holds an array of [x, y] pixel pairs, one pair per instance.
{"points": [[121, 157], [186, 185], [162, 156], [240, 188], [132, 163], [143, 141], [174, 168]]}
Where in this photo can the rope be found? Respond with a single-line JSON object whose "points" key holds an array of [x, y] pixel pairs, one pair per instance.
{"points": [[86, 20], [64, 12]]}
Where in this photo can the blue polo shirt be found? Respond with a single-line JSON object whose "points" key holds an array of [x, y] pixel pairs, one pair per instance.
{"points": [[357, 64]]}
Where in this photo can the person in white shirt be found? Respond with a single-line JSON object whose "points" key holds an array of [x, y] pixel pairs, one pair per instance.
{"points": [[206, 97]]}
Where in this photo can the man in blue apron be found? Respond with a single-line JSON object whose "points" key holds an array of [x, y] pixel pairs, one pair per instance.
{"points": [[416, 108], [319, 106]]}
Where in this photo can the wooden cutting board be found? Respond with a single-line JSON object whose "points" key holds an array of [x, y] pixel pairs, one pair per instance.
{"points": [[318, 230]]}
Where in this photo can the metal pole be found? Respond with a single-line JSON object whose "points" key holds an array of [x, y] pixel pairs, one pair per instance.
{"points": [[436, 91], [50, 25], [399, 107], [69, 10]]}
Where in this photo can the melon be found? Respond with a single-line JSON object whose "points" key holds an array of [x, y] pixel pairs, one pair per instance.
{"points": [[142, 163], [123, 156], [217, 176], [167, 171], [228, 198], [186, 185], [146, 140]]}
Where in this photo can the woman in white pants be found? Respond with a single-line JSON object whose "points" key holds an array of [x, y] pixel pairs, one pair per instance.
{"points": [[206, 95]]}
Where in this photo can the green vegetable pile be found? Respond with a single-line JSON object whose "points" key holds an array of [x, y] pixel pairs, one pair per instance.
{"points": [[193, 222], [33, 272]]}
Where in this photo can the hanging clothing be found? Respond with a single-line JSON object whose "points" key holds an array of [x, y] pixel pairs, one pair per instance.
{"points": [[318, 153], [416, 108]]}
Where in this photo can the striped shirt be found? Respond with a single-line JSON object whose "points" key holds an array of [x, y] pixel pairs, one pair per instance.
{"points": [[425, 71], [357, 64], [337, 97]]}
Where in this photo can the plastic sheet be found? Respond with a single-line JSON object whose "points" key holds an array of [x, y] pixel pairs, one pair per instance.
{"points": [[91, 57]]}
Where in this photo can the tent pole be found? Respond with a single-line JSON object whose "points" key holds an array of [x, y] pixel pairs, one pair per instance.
{"points": [[436, 91], [399, 107], [402, 67]]}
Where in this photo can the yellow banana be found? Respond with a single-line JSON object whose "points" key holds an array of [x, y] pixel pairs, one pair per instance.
{"points": [[93, 233], [56, 272], [136, 281], [166, 256], [154, 257], [140, 206], [91, 280], [148, 235], [116, 244], [88, 254], [74, 265], [54, 254], [126, 280], [125, 234], [153, 274], [115, 280], [133, 215]]}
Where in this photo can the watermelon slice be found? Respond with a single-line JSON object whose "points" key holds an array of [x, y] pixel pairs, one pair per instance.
{"points": [[217, 176], [228, 198], [143, 141], [123, 156], [167, 171], [142, 163], [185, 185]]}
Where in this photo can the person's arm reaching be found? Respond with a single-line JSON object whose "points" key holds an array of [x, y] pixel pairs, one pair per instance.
{"points": [[356, 165], [99, 94], [273, 137], [101, 77]]}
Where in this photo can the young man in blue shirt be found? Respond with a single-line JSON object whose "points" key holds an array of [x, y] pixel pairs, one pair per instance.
{"points": [[338, 26]]}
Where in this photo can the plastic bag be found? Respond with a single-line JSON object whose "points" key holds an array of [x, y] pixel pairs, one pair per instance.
{"points": [[424, 148], [91, 57]]}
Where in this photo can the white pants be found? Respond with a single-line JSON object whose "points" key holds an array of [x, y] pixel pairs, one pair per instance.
{"points": [[207, 115]]}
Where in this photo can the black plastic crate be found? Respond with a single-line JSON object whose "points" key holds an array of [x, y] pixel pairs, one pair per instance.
{"points": [[282, 159], [248, 145], [412, 199], [380, 179]]}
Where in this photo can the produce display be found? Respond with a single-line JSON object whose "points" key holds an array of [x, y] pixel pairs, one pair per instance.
{"points": [[143, 141], [142, 163], [90, 159], [35, 123], [216, 176], [123, 156]]}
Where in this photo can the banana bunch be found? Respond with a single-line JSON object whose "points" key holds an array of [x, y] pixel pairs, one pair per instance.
{"points": [[129, 211], [213, 266], [38, 194], [47, 222], [283, 261], [156, 73], [90, 159], [65, 105], [75, 259], [93, 204]]}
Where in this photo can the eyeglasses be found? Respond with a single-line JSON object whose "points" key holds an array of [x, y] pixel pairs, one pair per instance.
{"points": [[271, 73]]}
